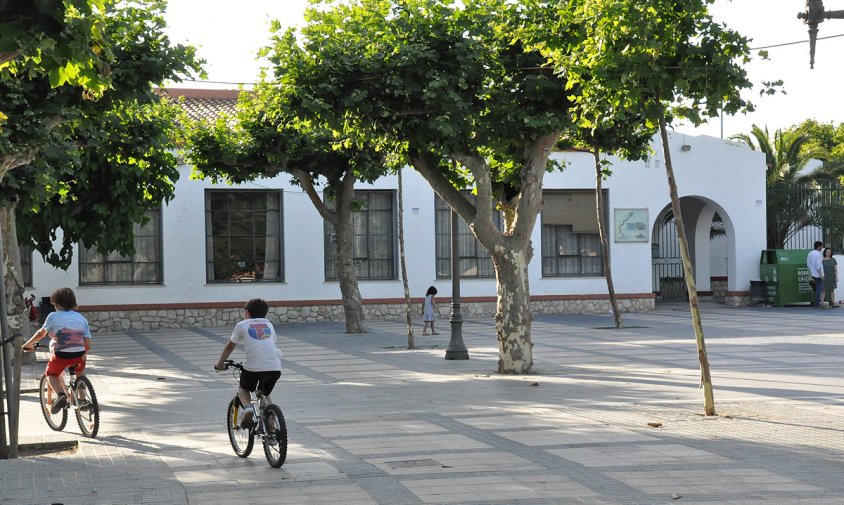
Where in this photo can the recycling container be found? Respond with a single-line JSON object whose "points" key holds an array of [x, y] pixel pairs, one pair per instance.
{"points": [[786, 276]]}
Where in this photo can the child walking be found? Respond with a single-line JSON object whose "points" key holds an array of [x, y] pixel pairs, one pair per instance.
{"points": [[428, 309]]}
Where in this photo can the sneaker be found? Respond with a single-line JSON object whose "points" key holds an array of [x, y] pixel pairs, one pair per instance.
{"points": [[59, 403], [247, 417]]}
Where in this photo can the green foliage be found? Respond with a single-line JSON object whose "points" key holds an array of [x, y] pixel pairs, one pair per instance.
{"points": [[265, 138], [436, 77], [61, 39], [791, 190], [646, 60], [93, 167]]}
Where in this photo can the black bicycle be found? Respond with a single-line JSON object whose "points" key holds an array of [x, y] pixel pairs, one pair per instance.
{"points": [[270, 426], [80, 397]]}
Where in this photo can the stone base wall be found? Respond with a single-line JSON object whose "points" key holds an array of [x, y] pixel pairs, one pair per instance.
{"points": [[719, 289], [141, 317], [737, 299]]}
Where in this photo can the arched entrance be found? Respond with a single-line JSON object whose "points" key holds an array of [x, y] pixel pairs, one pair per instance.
{"points": [[711, 238]]}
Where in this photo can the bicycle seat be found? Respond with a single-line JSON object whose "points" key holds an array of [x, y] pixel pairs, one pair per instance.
{"points": [[71, 369]]}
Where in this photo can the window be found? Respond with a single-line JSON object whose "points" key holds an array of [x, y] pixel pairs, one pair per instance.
{"points": [[143, 267], [374, 224], [474, 258], [25, 252], [243, 236], [571, 245]]}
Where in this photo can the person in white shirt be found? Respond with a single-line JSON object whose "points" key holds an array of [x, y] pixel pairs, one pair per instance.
{"points": [[815, 263], [262, 366]]}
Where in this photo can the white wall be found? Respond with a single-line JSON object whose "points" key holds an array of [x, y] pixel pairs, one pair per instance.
{"points": [[719, 172]]}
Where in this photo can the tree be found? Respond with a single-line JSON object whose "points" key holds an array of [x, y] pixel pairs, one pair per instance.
{"points": [[90, 167], [408, 311], [93, 167], [264, 139], [452, 83], [790, 187], [674, 61]]}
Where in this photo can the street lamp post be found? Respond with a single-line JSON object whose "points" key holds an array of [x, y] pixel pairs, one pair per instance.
{"points": [[456, 347], [813, 16]]}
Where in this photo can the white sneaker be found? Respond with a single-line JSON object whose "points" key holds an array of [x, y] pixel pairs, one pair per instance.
{"points": [[247, 417]]}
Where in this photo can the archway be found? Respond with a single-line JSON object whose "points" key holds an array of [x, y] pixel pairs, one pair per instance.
{"points": [[711, 237]]}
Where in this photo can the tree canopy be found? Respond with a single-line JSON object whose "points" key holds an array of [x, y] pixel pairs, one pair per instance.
{"points": [[92, 167], [61, 39], [471, 105]]}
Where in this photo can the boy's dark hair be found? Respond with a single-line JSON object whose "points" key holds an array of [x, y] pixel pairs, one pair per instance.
{"points": [[818, 244], [431, 291], [257, 307], [64, 297]]}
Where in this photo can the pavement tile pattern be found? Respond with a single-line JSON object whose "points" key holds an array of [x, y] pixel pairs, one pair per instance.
{"points": [[371, 422]]}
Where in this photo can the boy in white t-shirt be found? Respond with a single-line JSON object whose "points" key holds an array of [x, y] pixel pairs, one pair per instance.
{"points": [[262, 366]]}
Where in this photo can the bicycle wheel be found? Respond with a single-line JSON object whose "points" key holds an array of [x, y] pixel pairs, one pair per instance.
{"points": [[87, 408], [46, 395], [275, 439], [242, 439]]}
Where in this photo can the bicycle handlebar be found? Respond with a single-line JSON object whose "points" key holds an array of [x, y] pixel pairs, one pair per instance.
{"points": [[230, 363]]}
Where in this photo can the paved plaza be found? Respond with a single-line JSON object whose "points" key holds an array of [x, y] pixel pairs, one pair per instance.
{"points": [[610, 417]]}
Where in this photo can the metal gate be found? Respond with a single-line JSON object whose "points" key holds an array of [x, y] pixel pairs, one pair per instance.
{"points": [[667, 264]]}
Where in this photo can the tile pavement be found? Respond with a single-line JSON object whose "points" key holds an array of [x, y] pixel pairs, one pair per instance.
{"points": [[372, 422]]}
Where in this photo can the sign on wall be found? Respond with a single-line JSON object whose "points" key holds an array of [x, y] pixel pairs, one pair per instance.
{"points": [[631, 225]]}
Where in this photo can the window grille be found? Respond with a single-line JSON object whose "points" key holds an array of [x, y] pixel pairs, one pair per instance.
{"points": [[374, 240], [143, 267], [244, 239]]}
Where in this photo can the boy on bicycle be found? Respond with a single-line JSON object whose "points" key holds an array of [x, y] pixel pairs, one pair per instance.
{"points": [[70, 340], [262, 366]]}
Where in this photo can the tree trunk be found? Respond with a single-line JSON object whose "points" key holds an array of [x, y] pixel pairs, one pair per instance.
{"points": [[18, 314], [403, 263], [513, 315], [510, 248], [345, 265], [703, 359], [342, 220], [17, 318], [602, 232]]}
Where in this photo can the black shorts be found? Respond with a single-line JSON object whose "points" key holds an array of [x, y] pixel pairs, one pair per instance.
{"points": [[265, 380]]}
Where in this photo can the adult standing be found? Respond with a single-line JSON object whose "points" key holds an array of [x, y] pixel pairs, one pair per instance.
{"points": [[815, 263], [830, 276]]}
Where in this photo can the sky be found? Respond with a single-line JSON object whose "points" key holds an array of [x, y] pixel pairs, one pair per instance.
{"points": [[228, 36]]}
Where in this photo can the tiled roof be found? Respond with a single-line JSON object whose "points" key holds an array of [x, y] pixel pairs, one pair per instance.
{"points": [[205, 104]]}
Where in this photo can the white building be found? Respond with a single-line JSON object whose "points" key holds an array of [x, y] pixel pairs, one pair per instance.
{"points": [[215, 246]]}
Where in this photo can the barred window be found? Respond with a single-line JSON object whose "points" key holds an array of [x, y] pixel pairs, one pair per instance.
{"points": [[475, 260], [374, 228], [143, 267], [25, 252], [243, 234], [571, 244]]}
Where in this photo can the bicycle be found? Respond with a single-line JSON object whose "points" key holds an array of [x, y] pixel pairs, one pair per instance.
{"points": [[80, 397], [269, 427]]}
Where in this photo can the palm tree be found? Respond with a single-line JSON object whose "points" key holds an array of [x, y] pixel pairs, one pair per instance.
{"points": [[792, 191]]}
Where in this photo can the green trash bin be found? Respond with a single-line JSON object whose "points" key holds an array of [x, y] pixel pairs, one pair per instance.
{"points": [[786, 276]]}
